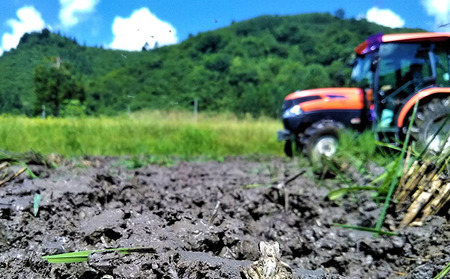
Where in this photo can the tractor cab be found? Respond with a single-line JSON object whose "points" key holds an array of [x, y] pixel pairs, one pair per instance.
{"points": [[398, 68]]}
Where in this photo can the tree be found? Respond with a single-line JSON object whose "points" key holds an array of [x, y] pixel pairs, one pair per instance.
{"points": [[218, 62], [315, 77], [339, 13], [56, 84]]}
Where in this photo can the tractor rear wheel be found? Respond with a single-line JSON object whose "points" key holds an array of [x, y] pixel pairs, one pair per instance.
{"points": [[429, 119], [321, 139]]}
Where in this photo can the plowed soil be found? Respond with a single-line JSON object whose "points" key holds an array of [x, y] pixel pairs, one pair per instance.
{"points": [[203, 220]]}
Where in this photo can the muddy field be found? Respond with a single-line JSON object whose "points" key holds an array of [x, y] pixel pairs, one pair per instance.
{"points": [[203, 220]]}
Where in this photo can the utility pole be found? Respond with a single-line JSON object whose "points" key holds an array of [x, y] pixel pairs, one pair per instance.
{"points": [[195, 108]]}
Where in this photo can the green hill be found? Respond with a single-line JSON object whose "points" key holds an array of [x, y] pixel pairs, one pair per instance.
{"points": [[247, 67]]}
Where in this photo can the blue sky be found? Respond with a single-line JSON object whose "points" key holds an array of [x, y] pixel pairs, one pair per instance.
{"points": [[129, 24]]}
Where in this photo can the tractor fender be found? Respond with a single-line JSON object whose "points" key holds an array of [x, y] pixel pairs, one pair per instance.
{"points": [[404, 111]]}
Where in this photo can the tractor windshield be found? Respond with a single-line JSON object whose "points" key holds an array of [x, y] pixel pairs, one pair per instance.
{"points": [[404, 68]]}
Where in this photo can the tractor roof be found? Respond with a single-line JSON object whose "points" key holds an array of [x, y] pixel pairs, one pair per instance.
{"points": [[373, 42]]}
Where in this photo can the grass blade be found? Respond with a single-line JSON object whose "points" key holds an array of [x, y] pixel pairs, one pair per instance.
{"points": [[388, 145], [251, 186], [338, 193], [443, 272], [366, 229]]}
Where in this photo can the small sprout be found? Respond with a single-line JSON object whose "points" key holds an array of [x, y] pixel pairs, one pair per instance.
{"points": [[30, 173], [36, 203], [74, 257], [82, 256]]}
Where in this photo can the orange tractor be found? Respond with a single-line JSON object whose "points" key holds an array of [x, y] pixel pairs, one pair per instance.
{"points": [[391, 73]]}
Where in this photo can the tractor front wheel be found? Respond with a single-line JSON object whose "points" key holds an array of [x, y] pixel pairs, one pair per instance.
{"points": [[288, 148], [321, 139]]}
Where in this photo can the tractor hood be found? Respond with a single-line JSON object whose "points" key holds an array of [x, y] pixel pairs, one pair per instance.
{"points": [[326, 99]]}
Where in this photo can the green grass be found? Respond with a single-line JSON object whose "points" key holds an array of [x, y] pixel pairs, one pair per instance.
{"points": [[359, 149], [156, 132]]}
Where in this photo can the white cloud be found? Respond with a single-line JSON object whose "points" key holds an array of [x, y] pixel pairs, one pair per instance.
{"points": [[71, 10], [440, 9], [29, 20], [141, 27], [385, 17]]}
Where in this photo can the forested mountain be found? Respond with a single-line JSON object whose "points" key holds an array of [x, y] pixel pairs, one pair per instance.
{"points": [[247, 67]]}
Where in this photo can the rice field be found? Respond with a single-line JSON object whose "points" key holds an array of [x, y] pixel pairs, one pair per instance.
{"points": [[151, 132]]}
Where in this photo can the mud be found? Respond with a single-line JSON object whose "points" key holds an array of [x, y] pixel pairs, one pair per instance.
{"points": [[202, 220]]}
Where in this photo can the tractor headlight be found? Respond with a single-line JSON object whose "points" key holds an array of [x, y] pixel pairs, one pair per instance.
{"points": [[292, 111]]}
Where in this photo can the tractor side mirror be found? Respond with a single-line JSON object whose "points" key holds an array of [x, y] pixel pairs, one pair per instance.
{"points": [[374, 64]]}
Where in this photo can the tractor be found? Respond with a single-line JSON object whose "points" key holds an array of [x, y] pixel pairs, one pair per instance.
{"points": [[391, 73]]}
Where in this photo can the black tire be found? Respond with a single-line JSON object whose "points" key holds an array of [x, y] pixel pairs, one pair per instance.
{"points": [[292, 148], [288, 148], [428, 119], [321, 139]]}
